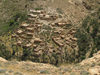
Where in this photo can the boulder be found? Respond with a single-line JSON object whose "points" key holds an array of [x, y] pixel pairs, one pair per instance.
{"points": [[93, 71], [2, 59]]}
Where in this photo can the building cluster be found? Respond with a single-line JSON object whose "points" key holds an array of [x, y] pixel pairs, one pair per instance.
{"points": [[46, 48], [61, 35], [25, 35], [61, 23]]}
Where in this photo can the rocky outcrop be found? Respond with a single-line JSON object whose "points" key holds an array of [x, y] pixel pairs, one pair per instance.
{"points": [[94, 59], [2, 59]]}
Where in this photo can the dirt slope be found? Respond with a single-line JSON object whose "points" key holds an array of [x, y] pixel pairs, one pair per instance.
{"points": [[89, 66]]}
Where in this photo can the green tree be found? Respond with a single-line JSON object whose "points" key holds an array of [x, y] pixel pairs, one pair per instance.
{"points": [[10, 23], [4, 52], [26, 54]]}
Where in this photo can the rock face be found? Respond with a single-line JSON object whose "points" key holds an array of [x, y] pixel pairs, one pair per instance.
{"points": [[2, 59], [94, 63], [94, 71], [94, 59]]}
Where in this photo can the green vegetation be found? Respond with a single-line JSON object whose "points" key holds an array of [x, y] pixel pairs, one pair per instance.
{"points": [[26, 54], [12, 24], [98, 64], [47, 27], [83, 43], [38, 8], [59, 10], [85, 21], [86, 35], [72, 74], [60, 16], [13, 13], [4, 52]]}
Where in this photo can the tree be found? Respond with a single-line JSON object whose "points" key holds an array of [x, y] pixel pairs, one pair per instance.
{"points": [[10, 23], [4, 52], [26, 54]]}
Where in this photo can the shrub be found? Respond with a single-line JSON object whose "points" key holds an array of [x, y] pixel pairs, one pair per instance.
{"points": [[99, 16], [26, 54], [10, 23], [60, 16], [98, 64], [38, 8], [84, 73], [93, 64], [2, 71], [4, 52], [26, 5], [85, 21], [88, 29], [16, 16], [83, 44], [72, 74], [44, 71], [59, 10], [82, 57]]}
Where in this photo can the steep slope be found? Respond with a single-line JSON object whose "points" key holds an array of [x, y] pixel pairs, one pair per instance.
{"points": [[89, 66]]}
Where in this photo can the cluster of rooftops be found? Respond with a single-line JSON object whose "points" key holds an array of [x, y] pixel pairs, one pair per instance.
{"points": [[68, 38], [25, 34]]}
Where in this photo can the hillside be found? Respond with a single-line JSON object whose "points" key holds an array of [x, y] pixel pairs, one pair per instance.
{"points": [[58, 32], [90, 66]]}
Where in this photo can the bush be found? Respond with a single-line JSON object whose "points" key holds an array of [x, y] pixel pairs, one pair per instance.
{"points": [[4, 52], [44, 71], [82, 57], [38, 8], [83, 44], [84, 73], [60, 16], [88, 29], [26, 54], [99, 16], [91, 54], [72, 74], [16, 16], [2, 71], [98, 64], [59, 10], [85, 21], [10, 23]]}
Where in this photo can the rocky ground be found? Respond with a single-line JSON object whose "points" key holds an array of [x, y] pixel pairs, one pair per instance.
{"points": [[90, 66]]}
